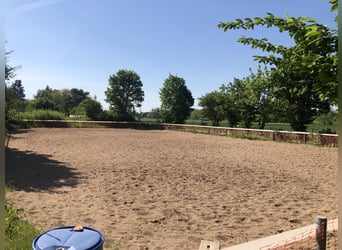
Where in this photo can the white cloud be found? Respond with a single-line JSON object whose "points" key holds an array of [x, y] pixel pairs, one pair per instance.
{"points": [[32, 6]]}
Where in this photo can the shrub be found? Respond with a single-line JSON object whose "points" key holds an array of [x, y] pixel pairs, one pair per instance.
{"points": [[19, 234], [40, 114]]}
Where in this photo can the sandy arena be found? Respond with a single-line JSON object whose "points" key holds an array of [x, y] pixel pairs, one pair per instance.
{"points": [[168, 190]]}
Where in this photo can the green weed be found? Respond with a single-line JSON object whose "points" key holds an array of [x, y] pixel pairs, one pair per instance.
{"points": [[19, 234]]}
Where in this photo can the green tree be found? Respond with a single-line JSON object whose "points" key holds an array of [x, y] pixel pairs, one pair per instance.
{"points": [[303, 103], [43, 99], [314, 54], [327, 119], [92, 108], [239, 105], [18, 89], [196, 114], [154, 113], [9, 70], [59, 100], [124, 94], [259, 95], [15, 98], [14, 94], [231, 104], [213, 106], [176, 100], [72, 98], [248, 99]]}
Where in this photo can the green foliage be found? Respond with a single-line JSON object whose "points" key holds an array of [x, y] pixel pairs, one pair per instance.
{"points": [[14, 93], [213, 106], [327, 119], [19, 234], [124, 94], [18, 90], [196, 114], [89, 108], [44, 100], [12, 218], [74, 97], [304, 76], [176, 100], [39, 114], [249, 99], [9, 70], [59, 100], [314, 52], [303, 103]]}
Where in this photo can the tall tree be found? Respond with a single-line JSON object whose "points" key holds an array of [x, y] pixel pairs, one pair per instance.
{"points": [[259, 95], [15, 98], [213, 106], [124, 93], [303, 103], [176, 100], [9, 70], [43, 99], [14, 93], [18, 89], [89, 107], [72, 98]]}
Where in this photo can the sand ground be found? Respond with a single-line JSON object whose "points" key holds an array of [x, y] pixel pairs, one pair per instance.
{"points": [[168, 190]]}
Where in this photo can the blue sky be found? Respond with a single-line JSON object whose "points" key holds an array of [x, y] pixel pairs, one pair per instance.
{"points": [[80, 43]]}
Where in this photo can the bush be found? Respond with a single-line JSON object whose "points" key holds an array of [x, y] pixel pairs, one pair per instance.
{"points": [[40, 114], [19, 234], [327, 131], [327, 119]]}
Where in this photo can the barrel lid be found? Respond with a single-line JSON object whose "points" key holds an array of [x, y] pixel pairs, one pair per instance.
{"points": [[67, 238]]}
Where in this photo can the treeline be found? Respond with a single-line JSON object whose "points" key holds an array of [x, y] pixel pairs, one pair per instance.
{"points": [[124, 95], [51, 103], [295, 84]]}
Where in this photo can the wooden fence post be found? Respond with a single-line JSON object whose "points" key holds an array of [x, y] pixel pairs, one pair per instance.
{"points": [[321, 232]]}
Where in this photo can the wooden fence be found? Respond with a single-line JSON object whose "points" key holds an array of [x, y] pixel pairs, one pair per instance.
{"points": [[330, 140], [319, 236]]}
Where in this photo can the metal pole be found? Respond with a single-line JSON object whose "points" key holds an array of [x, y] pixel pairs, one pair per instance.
{"points": [[2, 127], [321, 232]]}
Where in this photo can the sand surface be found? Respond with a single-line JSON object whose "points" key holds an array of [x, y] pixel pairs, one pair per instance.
{"points": [[168, 190]]}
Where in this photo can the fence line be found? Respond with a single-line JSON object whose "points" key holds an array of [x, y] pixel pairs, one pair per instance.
{"points": [[330, 140], [301, 238]]}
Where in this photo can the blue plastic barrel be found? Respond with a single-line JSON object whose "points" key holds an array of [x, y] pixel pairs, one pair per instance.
{"points": [[69, 238]]}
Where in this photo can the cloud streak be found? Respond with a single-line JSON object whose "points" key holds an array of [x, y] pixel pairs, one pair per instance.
{"points": [[31, 7]]}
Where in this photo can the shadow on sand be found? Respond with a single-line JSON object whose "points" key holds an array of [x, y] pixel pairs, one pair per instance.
{"points": [[32, 172]]}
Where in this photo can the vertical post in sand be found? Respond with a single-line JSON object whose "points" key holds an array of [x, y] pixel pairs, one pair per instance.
{"points": [[321, 232], [209, 245]]}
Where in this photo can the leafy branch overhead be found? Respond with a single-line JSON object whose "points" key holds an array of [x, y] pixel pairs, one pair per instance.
{"points": [[314, 52]]}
